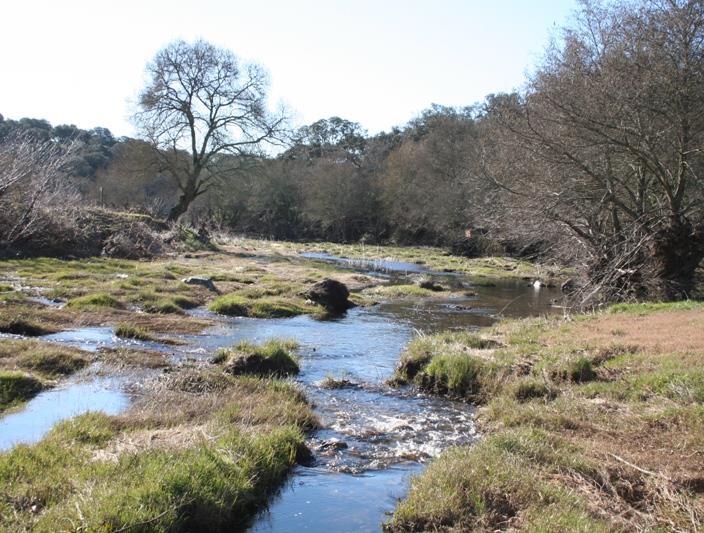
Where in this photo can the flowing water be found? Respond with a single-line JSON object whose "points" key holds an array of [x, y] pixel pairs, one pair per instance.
{"points": [[375, 436]]}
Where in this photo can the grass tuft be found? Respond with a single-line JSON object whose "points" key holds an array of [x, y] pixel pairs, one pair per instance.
{"points": [[128, 331], [274, 357], [16, 387], [94, 300]]}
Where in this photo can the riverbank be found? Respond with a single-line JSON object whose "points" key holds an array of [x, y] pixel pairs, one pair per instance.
{"points": [[134, 339], [433, 258], [590, 423], [198, 450]]}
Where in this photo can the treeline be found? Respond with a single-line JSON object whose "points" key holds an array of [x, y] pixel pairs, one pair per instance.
{"points": [[599, 161], [332, 182]]}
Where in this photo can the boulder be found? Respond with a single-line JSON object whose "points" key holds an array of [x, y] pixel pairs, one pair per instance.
{"points": [[203, 282], [333, 295]]}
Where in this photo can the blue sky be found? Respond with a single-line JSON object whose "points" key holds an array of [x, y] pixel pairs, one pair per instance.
{"points": [[375, 62]]}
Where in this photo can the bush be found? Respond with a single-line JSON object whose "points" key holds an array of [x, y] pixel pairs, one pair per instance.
{"points": [[134, 240]]}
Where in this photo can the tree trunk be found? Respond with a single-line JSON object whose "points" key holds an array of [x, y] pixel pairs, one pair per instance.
{"points": [[188, 194]]}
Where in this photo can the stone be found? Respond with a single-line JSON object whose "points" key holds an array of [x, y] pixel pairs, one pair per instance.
{"points": [[203, 282], [333, 295]]}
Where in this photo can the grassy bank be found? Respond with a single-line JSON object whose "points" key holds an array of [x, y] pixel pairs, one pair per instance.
{"points": [[433, 258], [29, 366], [259, 283], [590, 424], [200, 451]]}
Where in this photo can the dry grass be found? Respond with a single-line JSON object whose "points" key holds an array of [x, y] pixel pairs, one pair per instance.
{"points": [[630, 439], [198, 450]]}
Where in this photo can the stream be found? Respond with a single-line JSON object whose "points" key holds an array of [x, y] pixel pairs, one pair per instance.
{"points": [[374, 438]]}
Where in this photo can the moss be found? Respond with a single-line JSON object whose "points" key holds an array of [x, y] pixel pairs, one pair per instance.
{"points": [[94, 300], [16, 387], [6, 288]]}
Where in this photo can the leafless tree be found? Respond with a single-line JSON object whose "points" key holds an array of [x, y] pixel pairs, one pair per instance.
{"points": [[201, 105], [34, 189], [608, 143]]}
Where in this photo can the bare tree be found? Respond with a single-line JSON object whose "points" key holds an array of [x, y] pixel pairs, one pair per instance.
{"points": [[610, 137], [34, 190], [201, 109]]}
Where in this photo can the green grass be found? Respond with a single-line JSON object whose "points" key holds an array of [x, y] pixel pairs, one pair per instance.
{"points": [[164, 306], [94, 300], [443, 364], [274, 357], [266, 307], [212, 486], [558, 409], [48, 360], [17, 387], [128, 331], [6, 288], [242, 447], [485, 486], [655, 307], [402, 291]]}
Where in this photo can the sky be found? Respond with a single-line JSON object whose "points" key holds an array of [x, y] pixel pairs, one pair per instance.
{"points": [[376, 62]]}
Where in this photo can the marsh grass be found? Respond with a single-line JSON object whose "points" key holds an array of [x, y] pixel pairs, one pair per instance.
{"points": [[94, 300], [17, 387], [403, 291], [28, 366], [261, 307], [19, 325], [129, 331], [273, 357], [202, 459], [586, 430], [43, 358]]}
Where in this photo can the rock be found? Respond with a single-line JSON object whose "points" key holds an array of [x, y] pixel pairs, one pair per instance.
{"points": [[203, 282], [331, 294], [332, 445], [568, 286], [425, 283]]}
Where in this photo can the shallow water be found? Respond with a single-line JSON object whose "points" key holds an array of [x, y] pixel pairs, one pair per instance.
{"points": [[375, 436], [373, 265], [51, 406]]}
